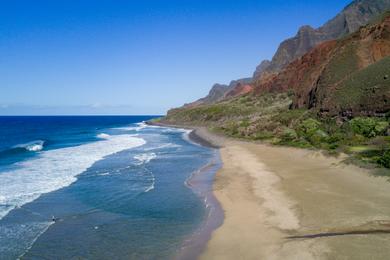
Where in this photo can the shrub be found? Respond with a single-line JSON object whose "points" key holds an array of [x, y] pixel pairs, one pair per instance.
{"points": [[381, 127], [384, 160], [309, 126], [318, 137], [288, 135], [335, 138], [262, 135], [288, 116], [368, 127]]}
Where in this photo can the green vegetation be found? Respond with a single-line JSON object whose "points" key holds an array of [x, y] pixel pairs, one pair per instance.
{"points": [[268, 118], [341, 87], [384, 160], [364, 86], [368, 127], [342, 64]]}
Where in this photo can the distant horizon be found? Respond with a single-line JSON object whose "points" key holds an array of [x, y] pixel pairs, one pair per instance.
{"points": [[133, 58]]}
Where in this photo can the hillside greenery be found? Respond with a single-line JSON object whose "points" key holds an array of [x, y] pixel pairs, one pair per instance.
{"points": [[269, 118]]}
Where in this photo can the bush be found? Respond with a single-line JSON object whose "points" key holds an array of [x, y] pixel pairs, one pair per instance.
{"points": [[384, 160], [288, 116], [288, 135], [309, 127], [318, 137], [368, 127], [262, 135], [381, 127], [335, 138]]}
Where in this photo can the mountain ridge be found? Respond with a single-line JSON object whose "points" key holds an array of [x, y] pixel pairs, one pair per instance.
{"points": [[353, 16], [319, 74]]}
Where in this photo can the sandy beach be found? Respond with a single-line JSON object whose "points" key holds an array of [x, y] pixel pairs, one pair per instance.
{"points": [[287, 203]]}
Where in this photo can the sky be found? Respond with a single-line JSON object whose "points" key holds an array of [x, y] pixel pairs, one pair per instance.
{"points": [[137, 56]]}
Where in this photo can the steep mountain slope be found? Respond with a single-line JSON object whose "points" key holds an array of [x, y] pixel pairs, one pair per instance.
{"points": [[328, 76], [356, 14], [219, 91]]}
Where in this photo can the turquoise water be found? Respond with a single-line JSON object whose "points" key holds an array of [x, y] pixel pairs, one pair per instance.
{"points": [[99, 188]]}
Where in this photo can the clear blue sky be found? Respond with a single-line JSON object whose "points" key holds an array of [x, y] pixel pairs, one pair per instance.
{"points": [[137, 57]]}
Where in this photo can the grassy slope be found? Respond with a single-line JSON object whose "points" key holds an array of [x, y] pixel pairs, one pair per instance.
{"points": [[364, 86]]}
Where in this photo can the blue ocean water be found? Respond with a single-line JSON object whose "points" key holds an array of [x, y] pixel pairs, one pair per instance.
{"points": [[98, 188]]}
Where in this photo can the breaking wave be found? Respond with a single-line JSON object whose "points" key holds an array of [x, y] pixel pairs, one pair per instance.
{"points": [[55, 169], [34, 146]]}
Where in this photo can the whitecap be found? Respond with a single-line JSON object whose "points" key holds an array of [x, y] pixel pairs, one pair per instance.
{"points": [[55, 169], [144, 158], [34, 146], [138, 127], [103, 136]]}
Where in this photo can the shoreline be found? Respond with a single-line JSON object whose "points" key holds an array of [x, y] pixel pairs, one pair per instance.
{"points": [[202, 184], [283, 202]]}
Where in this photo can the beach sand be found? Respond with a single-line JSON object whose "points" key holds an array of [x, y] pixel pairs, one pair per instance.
{"points": [[287, 203]]}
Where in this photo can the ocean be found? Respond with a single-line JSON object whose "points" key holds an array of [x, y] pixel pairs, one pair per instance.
{"points": [[102, 187]]}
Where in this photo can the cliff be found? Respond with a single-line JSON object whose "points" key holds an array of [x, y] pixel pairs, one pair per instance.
{"points": [[345, 76], [350, 19]]}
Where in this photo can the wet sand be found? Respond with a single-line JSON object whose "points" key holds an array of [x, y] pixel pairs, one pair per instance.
{"points": [[287, 203]]}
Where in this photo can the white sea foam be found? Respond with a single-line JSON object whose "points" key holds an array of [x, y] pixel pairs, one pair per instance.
{"points": [[167, 145], [16, 238], [55, 169], [151, 187], [33, 146], [186, 137], [103, 174], [138, 127], [144, 158], [103, 136], [153, 180]]}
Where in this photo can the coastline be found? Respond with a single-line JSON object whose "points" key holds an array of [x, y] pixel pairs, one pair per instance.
{"points": [[282, 202], [202, 183], [74, 217]]}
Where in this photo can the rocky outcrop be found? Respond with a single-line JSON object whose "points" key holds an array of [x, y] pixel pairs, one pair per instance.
{"points": [[238, 90], [355, 15], [261, 68], [220, 91], [216, 93]]}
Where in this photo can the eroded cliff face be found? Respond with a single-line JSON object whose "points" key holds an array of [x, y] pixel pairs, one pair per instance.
{"points": [[349, 75], [355, 15]]}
